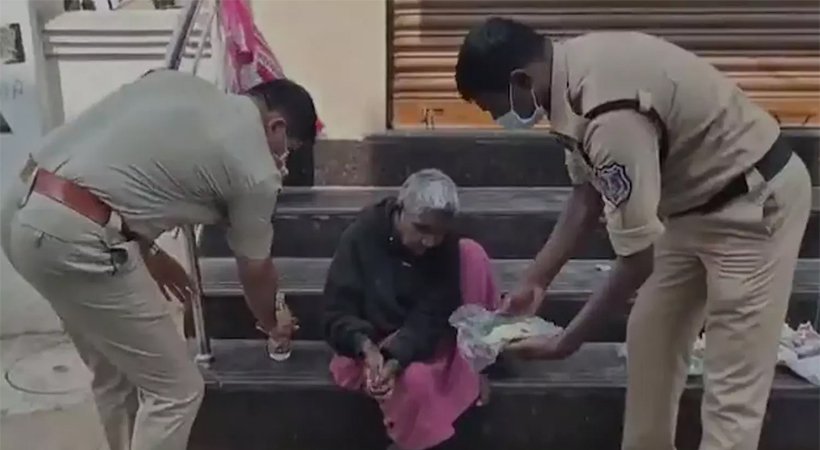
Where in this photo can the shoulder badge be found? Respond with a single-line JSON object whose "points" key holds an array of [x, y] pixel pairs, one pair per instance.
{"points": [[614, 183]]}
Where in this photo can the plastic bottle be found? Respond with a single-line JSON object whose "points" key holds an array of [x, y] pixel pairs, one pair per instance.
{"points": [[280, 348]]}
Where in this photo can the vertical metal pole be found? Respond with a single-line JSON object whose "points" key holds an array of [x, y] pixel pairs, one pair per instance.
{"points": [[206, 38], [204, 353], [173, 58], [179, 38]]}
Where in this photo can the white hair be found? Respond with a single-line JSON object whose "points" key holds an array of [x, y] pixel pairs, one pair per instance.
{"points": [[429, 190]]}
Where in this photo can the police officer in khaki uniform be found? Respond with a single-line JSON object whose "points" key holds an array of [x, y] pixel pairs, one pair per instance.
{"points": [[705, 206], [167, 150]]}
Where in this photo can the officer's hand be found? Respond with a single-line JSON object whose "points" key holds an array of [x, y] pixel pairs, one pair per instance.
{"points": [[548, 346], [523, 301], [280, 336], [483, 391], [168, 273]]}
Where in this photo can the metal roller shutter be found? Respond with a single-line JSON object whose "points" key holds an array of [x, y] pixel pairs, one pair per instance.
{"points": [[771, 47]]}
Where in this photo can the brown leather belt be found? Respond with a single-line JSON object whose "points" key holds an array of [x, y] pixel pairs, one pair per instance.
{"points": [[75, 197], [769, 166], [71, 195]]}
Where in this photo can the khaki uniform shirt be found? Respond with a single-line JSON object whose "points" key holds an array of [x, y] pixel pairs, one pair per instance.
{"points": [[715, 131], [171, 149]]}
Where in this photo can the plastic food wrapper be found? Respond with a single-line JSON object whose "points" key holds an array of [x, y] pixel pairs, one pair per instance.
{"points": [[249, 59], [799, 351], [482, 334]]}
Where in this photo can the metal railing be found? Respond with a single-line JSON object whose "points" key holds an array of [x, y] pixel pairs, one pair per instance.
{"points": [[113, 5], [173, 60]]}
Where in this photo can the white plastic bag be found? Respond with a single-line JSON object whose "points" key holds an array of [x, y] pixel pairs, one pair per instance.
{"points": [[482, 334], [800, 352]]}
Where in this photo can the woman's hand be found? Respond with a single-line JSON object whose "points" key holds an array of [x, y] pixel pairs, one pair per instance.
{"points": [[373, 362], [386, 381], [547, 346]]}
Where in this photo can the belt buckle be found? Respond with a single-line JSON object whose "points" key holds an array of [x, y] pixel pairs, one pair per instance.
{"points": [[28, 175]]}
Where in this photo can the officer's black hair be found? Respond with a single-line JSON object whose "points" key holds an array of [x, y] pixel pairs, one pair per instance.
{"points": [[294, 103], [491, 51]]}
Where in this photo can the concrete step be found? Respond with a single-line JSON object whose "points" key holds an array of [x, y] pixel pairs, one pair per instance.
{"points": [[471, 157], [572, 404], [302, 280], [509, 222]]}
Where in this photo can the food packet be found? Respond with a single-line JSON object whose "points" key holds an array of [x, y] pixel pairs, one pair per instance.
{"points": [[482, 334]]}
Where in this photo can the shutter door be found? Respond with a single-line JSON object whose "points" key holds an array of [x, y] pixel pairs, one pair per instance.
{"points": [[771, 48]]}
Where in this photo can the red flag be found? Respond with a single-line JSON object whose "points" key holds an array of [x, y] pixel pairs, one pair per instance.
{"points": [[249, 59]]}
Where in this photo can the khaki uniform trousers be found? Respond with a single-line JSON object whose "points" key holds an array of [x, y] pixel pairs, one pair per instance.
{"points": [[146, 386], [732, 269]]}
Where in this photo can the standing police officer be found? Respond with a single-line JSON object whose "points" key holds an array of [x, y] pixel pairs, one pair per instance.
{"points": [[705, 206], [168, 150]]}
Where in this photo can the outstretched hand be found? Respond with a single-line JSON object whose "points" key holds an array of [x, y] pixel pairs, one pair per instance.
{"points": [[523, 301], [547, 346]]}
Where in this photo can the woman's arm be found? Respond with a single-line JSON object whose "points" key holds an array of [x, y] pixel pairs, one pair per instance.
{"points": [[345, 331], [428, 323]]}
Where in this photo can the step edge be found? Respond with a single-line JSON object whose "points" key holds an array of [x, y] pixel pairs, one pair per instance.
{"points": [[787, 132], [560, 194], [213, 288], [784, 382]]}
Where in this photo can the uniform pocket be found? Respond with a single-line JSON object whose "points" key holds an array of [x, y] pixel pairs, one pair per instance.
{"points": [[34, 250], [124, 257], [745, 215]]}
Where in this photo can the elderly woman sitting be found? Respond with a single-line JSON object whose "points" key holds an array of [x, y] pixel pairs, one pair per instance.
{"points": [[397, 275]]}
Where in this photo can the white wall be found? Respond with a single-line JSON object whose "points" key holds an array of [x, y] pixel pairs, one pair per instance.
{"points": [[97, 52], [27, 103], [338, 50]]}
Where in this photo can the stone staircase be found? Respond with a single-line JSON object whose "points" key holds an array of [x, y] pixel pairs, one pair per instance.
{"points": [[513, 186]]}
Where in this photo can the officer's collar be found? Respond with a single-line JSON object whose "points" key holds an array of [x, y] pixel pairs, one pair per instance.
{"points": [[558, 83]]}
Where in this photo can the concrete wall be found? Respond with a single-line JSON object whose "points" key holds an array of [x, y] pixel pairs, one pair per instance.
{"points": [[97, 52], [29, 106], [337, 49]]}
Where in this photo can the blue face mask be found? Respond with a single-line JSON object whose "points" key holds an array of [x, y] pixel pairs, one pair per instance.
{"points": [[513, 121]]}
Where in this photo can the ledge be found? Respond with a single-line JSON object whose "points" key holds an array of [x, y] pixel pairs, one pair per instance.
{"points": [[120, 34]]}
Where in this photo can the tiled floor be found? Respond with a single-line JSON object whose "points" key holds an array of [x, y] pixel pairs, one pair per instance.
{"points": [[45, 397], [45, 402]]}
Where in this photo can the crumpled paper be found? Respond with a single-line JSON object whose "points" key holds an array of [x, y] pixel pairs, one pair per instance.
{"points": [[799, 351], [482, 334]]}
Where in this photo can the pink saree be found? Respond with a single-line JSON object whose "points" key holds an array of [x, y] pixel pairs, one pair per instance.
{"points": [[430, 395]]}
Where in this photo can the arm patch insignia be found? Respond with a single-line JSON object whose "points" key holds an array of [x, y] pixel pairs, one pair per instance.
{"points": [[614, 183]]}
